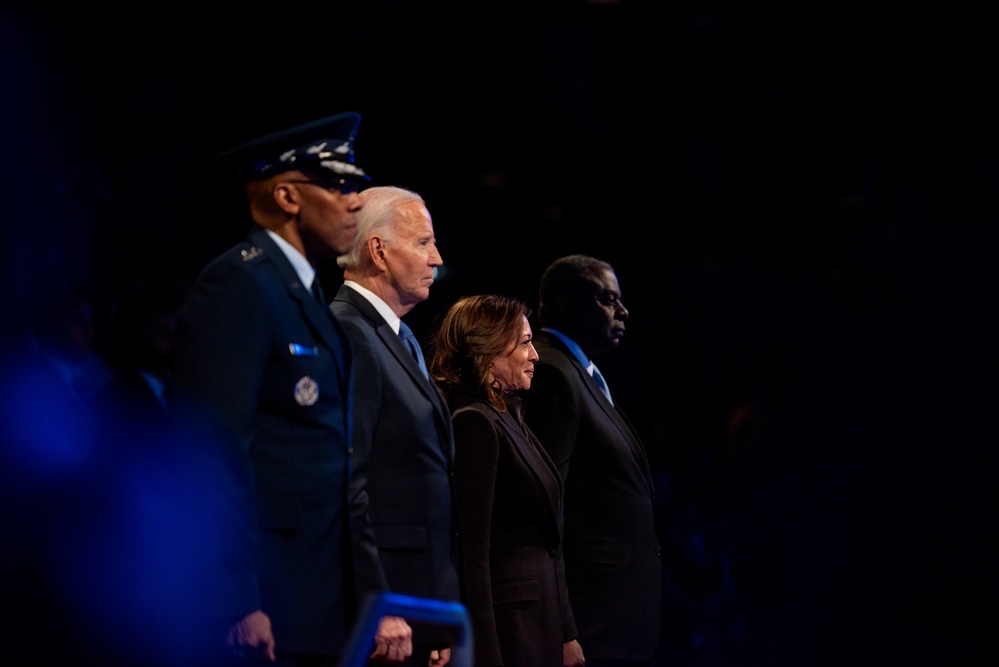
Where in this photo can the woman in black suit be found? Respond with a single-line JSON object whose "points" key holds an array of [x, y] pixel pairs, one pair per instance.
{"points": [[508, 488]]}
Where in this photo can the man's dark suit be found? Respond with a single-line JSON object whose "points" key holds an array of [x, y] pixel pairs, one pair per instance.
{"points": [[269, 370], [612, 554], [403, 457]]}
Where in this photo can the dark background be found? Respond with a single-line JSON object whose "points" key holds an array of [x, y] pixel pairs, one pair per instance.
{"points": [[797, 197]]}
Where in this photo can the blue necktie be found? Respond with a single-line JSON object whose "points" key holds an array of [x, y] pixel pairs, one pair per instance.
{"points": [[600, 382], [414, 348]]}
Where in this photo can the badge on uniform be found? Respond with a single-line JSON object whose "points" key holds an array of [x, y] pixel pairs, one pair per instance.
{"points": [[306, 391], [252, 253]]}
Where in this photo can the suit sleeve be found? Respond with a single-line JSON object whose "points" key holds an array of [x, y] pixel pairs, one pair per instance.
{"points": [[552, 412], [221, 348], [569, 629], [367, 401], [475, 466]]}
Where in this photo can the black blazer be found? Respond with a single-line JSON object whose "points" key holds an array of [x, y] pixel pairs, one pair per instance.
{"points": [[612, 554], [267, 368], [511, 521], [403, 455]]}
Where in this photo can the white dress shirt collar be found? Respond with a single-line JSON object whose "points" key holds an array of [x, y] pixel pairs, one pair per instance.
{"points": [[376, 301], [298, 262]]}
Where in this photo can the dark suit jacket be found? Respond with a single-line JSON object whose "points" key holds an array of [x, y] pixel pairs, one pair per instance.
{"points": [[511, 521], [403, 454], [612, 554], [267, 369]]}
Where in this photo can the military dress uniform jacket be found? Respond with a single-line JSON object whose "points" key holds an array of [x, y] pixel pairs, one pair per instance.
{"points": [[511, 520], [403, 456], [267, 369], [612, 554]]}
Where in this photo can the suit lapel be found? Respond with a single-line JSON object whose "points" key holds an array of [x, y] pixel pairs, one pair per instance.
{"points": [[531, 451], [621, 422], [612, 412], [397, 347], [319, 319]]}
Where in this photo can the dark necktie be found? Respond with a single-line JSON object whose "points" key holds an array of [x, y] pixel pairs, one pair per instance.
{"points": [[317, 292], [414, 348], [600, 382]]}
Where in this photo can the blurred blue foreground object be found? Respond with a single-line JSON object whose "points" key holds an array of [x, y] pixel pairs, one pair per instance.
{"points": [[452, 615]]}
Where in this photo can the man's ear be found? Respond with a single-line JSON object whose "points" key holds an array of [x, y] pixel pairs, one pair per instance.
{"points": [[376, 248], [567, 304], [287, 198]]}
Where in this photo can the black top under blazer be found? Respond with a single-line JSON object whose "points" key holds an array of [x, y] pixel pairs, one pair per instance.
{"points": [[267, 368], [403, 455], [612, 554], [511, 521]]}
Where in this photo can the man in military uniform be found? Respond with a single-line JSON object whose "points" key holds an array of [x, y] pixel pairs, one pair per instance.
{"points": [[264, 370]]}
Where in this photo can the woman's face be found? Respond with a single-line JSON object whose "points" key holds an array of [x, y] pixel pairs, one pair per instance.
{"points": [[514, 368]]}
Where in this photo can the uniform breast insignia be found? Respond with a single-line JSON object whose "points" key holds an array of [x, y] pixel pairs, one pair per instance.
{"points": [[252, 253], [306, 391]]}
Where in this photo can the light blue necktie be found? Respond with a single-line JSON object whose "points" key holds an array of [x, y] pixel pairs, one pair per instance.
{"points": [[600, 382], [414, 348]]}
